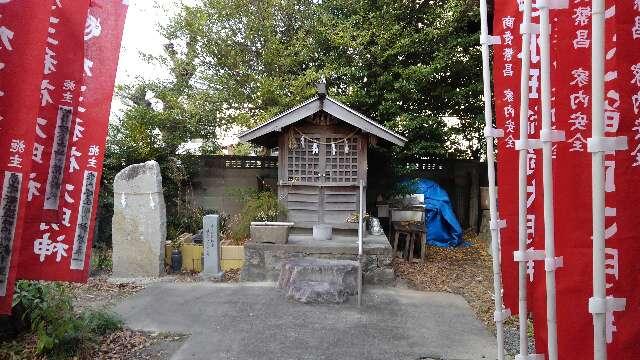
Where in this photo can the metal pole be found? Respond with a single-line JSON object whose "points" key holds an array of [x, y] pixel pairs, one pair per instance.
{"points": [[522, 176], [490, 133], [547, 136], [360, 236], [360, 216], [597, 173]]}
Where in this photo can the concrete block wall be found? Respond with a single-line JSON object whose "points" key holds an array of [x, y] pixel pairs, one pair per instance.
{"points": [[220, 175]]}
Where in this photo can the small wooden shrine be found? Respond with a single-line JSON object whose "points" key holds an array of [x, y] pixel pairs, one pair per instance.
{"points": [[322, 158]]}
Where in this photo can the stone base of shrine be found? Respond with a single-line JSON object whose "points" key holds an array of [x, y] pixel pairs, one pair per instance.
{"points": [[263, 261]]}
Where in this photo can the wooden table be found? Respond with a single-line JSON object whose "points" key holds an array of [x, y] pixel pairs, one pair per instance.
{"points": [[414, 232]]}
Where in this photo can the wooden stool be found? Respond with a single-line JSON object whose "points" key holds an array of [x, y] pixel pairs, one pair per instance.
{"points": [[417, 236], [412, 233], [396, 237]]}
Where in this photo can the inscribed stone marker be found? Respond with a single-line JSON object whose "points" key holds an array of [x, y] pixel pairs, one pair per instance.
{"points": [[210, 243]]}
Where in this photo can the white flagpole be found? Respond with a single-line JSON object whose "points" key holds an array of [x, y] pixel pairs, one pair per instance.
{"points": [[360, 238], [522, 178], [490, 133], [598, 145], [597, 173], [360, 220], [548, 136]]}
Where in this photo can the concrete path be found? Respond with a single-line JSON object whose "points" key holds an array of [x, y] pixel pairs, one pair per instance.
{"points": [[250, 321]]}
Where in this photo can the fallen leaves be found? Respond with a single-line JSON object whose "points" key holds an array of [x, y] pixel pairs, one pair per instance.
{"points": [[122, 344], [99, 292], [232, 275]]}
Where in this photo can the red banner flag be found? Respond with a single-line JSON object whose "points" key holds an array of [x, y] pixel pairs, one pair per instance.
{"points": [[61, 249], [23, 29], [571, 105], [571, 81], [507, 65], [622, 118], [59, 93]]}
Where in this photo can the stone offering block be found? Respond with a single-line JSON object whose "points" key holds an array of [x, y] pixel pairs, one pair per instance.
{"points": [[311, 280], [270, 232], [139, 226]]}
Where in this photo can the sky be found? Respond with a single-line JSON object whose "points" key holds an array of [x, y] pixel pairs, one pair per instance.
{"points": [[141, 35]]}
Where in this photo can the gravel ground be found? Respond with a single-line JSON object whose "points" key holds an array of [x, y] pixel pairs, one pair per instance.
{"points": [[466, 271], [512, 338]]}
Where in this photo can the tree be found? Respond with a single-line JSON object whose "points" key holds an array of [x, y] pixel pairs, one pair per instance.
{"points": [[408, 64], [405, 64]]}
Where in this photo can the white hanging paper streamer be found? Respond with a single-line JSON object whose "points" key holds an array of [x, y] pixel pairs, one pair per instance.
{"points": [[123, 200], [333, 149], [314, 148], [346, 146], [302, 142], [151, 203]]}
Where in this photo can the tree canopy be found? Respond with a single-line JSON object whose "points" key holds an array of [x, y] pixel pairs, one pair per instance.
{"points": [[409, 65], [406, 64]]}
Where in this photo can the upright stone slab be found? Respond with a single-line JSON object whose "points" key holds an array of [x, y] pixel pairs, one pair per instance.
{"points": [[211, 247], [139, 227]]}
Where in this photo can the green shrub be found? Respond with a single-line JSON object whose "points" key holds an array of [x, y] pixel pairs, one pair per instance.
{"points": [[100, 322], [61, 334], [189, 220], [258, 206], [101, 259], [50, 311]]}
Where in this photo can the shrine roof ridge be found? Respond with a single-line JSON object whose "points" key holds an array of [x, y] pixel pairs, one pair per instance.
{"points": [[331, 106]]}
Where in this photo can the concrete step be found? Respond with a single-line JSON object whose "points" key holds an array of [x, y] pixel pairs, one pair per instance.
{"points": [[300, 230], [313, 280]]}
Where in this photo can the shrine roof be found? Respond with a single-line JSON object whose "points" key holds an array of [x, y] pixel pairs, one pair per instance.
{"points": [[329, 105]]}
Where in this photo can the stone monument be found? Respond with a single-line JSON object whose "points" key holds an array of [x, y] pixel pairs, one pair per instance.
{"points": [[211, 248], [139, 227]]}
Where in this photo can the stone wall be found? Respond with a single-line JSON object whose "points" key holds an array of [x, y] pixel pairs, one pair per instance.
{"points": [[263, 262]]}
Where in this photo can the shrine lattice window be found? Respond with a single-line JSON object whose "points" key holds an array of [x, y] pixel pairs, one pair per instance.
{"points": [[303, 163], [341, 165]]}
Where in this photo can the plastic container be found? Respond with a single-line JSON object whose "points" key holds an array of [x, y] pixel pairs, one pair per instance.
{"points": [[322, 232]]}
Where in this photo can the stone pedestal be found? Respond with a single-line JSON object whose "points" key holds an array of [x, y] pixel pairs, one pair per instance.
{"points": [[139, 227], [263, 262], [312, 280]]}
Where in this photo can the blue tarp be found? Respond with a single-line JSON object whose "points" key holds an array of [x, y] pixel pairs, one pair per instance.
{"points": [[443, 228]]}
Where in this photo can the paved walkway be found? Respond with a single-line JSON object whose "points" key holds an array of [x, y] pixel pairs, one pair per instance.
{"points": [[249, 321]]}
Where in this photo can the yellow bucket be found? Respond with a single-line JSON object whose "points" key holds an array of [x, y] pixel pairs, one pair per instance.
{"points": [[232, 257]]}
